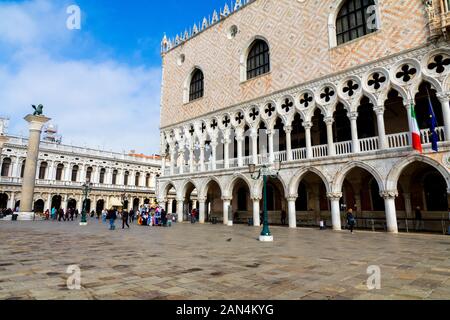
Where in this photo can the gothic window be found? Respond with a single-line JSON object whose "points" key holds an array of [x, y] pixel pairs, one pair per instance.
{"points": [[42, 170], [196, 89], [102, 176], [147, 180], [89, 174], [22, 171], [5, 167], [136, 179], [355, 20], [125, 179], [258, 60], [59, 172], [74, 173], [114, 177]]}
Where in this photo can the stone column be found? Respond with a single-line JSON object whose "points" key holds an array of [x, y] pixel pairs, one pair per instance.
{"points": [[408, 111], [331, 148], [107, 203], [256, 212], [292, 212], [254, 138], [202, 157], [309, 152], [16, 168], [180, 207], [67, 172], [444, 98], [49, 202], [288, 131], [191, 160], [335, 199], [172, 160], [12, 201], [181, 156], [3, 141], [358, 203], [226, 156], [213, 155], [163, 164], [29, 179], [202, 210], [80, 204], [408, 205], [354, 127], [240, 140], [391, 212], [270, 135], [64, 202], [170, 206], [226, 206], [379, 111]]}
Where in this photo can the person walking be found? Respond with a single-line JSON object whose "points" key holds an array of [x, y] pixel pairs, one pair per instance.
{"points": [[76, 214], [193, 214], [420, 226], [351, 221], [112, 216], [72, 214], [163, 218], [283, 218], [104, 214], [125, 217]]}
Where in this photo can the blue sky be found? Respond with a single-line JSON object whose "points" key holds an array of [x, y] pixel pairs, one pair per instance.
{"points": [[100, 84]]}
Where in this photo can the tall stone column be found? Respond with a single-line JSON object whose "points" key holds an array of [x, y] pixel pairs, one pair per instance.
{"points": [[288, 131], [239, 140], [381, 127], [29, 178], [226, 206], [354, 127], [308, 126], [202, 210], [202, 157], [180, 207], [12, 201], [391, 211], [191, 160], [292, 212], [331, 148], [170, 206], [256, 213], [226, 157], [335, 199], [444, 98], [254, 138], [270, 134], [172, 160], [49, 202], [214, 155], [181, 156]]}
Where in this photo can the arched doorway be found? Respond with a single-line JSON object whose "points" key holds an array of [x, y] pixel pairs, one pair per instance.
{"points": [[361, 193], [214, 202], [341, 125], [366, 123], [39, 206], [190, 193], [6, 167], [100, 206], [423, 199], [56, 202], [242, 204], [319, 129], [312, 205], [395, 115], [4, 201], [72, 204], [136, 204]]}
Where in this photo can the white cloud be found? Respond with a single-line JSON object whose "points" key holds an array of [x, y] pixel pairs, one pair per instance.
{"points": [[106, 103]]}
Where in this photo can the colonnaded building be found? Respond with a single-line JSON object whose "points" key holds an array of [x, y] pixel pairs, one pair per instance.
{"points": [[334, 81], [116, 178]]}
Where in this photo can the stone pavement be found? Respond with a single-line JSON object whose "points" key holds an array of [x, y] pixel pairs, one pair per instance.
{"points": [[217, 262]]}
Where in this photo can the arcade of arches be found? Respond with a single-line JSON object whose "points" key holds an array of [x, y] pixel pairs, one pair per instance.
{"points": [[381, 199]]}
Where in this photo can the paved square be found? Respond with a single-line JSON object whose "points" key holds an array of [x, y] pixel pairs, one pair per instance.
{"points": [[217, 262]]}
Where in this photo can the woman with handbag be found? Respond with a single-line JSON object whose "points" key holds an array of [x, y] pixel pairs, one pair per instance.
{"points": [[351, 221]]}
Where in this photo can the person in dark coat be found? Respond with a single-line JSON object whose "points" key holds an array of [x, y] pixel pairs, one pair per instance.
{"points": [[125, 215], [351, 221], [112, 216], [163, 217]]}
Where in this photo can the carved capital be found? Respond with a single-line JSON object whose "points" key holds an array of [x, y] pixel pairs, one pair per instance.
{"points": [[389, 194], [288, 129], [334, 196], [353, 116], [292, 197], [379, 110], [329, 121], [307, 125], [443, 96]]}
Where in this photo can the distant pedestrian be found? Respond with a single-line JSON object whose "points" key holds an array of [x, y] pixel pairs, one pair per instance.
{"points": [[420, 226], [112, 216], [76, 214], [283, 218], [71, 213], [351, 221], [125, 219], [163, 218]]}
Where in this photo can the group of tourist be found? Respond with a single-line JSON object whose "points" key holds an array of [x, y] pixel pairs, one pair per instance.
{"points": [[145, 217]]}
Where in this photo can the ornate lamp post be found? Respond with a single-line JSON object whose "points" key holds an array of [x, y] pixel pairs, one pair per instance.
{"points": [[265, 172], [87, 188], [124, 198]]}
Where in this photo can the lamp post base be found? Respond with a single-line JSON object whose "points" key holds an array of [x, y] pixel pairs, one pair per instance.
{"points": [[83, 224], [25, 216], [230, 223], [266, 238]]}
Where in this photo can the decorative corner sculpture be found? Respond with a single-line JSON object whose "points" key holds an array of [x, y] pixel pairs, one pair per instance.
{"points": [[38, 110]]}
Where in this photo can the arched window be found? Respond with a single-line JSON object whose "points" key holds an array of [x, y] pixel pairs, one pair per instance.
{"points": [[102, 176], [258, 60], [89, 174], [125, 178], [5, 167], [114, 178], [75, 173], [136, 179], [59, 172], [354, 20], [147, 180], [196, 88], [43, 170], [22, 170]]}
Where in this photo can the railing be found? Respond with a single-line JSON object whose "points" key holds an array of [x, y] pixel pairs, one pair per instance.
{"points": [[343, 147], [425, 135], [369, 144], [299, 154], [281, 156], [398, 140], [320, 151]]}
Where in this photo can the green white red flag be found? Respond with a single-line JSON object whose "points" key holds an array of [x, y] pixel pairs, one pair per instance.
{"points": [[416, 139]]}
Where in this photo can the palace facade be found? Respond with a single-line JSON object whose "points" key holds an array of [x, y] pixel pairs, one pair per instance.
{"points": [[331, 89], [62, 171]]}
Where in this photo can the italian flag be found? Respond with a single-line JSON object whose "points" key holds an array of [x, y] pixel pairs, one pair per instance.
{"points": [[417, 141]]}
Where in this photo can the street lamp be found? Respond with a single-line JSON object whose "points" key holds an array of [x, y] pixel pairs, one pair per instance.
{"points": [[124, 198], [266, 172], [87, 188]]}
